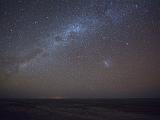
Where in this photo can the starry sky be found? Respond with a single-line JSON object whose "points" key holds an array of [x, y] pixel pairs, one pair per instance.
{"points": [[79, 48]]}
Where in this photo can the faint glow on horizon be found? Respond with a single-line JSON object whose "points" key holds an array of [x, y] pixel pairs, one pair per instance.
{"points": [[56, 97]]}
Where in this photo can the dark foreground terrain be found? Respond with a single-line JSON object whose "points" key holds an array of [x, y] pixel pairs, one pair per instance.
{"points": [[80, 109]]}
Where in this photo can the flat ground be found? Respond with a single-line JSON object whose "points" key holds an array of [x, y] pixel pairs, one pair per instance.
{"points": [[80, 109]]}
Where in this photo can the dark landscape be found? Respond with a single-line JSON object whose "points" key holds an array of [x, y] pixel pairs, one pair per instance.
{"points": [[80, 109]]}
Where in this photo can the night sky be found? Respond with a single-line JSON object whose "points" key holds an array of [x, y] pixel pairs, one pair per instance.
{"points": [[79, 48]]}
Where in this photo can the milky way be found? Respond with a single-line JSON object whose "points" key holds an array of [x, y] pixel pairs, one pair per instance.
{"points": [[79, 48]]}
